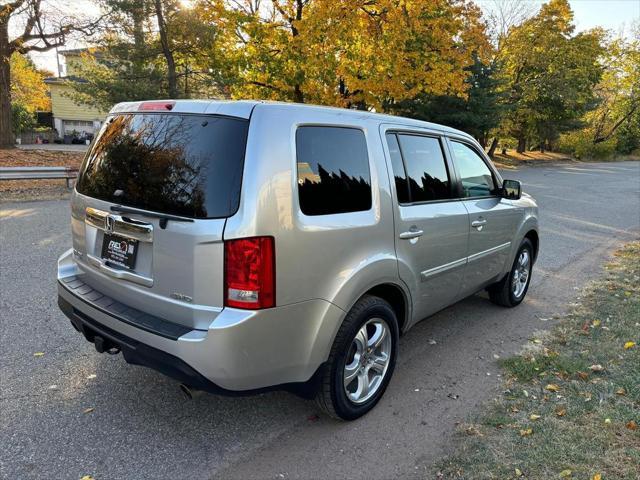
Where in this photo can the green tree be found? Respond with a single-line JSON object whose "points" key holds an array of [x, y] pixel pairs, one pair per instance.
{"points": [[139, 62], [478, 113], [551, 73]]}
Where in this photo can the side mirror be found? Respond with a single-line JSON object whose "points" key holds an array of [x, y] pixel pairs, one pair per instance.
{"points": [[511, 189]]}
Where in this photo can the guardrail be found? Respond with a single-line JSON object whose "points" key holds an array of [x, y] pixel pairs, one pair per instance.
{"points": [[35, 173]]}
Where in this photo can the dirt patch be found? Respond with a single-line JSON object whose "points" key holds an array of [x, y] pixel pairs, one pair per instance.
{"points": [[18, 190]]}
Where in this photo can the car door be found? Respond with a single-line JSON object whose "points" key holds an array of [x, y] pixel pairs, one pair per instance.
{"points": [[492, 219], [431, 225]]}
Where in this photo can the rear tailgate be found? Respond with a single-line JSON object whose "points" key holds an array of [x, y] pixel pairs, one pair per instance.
{"points": [[149, 212]]}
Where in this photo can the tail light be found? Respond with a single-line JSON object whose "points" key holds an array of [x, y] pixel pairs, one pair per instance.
{"points": [[249, 273]]}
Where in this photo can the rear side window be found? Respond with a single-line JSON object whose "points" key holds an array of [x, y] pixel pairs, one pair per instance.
{"points": [[333, 170], [188, 165], [476, 177], [426, 169]]}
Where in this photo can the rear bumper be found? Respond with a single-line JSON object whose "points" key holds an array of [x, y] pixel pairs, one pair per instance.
{"points": [[241, 352]]}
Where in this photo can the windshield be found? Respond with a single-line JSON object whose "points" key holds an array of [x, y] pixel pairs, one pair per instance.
{"points": [[188, 165]]}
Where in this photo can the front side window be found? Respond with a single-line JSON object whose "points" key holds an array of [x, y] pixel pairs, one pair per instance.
{"points": [[426, 169], [476, 177], [333, 170]]}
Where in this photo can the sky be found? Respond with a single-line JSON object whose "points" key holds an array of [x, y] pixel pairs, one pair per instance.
{"points": [[615, 15]]}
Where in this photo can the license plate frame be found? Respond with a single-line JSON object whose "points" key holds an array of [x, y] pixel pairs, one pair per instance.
{"points": [[119, 250]]}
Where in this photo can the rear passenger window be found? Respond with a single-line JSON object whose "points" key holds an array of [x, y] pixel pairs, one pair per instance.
{"points": [[425, 168], [333, 170]]}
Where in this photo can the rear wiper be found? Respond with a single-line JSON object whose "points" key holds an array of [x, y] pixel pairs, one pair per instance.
{"points": [[164, 217]]}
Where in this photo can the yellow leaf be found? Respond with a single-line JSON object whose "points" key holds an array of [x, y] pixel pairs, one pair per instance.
{"points": [[552, 387], [534, 417], [597, 476], [565, 473], [620, 391], [87, 477], [38, 354], [607, 420], [596, 323], [629, 345], [561, 412], [518, 472], [526, 433], [88, 410]]}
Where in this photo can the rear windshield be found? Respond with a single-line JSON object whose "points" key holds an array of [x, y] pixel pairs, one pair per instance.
{"points": [[188, 165]]}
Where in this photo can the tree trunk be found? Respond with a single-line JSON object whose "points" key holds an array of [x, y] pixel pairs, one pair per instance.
{"points": [[166, 51], [6, 134], [298, 96], [522, 145], [492, 148], [482, 141]]}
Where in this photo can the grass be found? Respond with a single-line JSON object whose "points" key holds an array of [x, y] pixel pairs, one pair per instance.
{"points": [[570, 407]]}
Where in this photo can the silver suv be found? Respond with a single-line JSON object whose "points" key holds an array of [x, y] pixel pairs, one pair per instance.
{"points": [[245, 246]]}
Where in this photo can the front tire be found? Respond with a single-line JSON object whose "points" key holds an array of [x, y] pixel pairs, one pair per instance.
{"points": [[511, 290], [362, 360]]}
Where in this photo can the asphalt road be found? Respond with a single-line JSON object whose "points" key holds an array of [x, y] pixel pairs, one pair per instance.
{"points": [[140, 426]]}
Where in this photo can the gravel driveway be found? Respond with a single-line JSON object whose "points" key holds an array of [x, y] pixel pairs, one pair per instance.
{"points": [[72, 412]]}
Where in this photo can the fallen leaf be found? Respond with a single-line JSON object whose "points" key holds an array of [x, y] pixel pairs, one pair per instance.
{"points": [[596, 367], [629, 345], [552, 387], [620, 391], [432, 342], [537, 341], [565, 473], [38, 354], [596, 323], [92, 376], [526, 433], [631, 425], [518, 472], [88, 410], [597, 476], [534, 417], [607, 420], [583, 375], [561, 412], [87, 477]]}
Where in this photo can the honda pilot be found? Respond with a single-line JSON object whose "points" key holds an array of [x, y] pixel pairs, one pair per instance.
{"points": [[245, 246]]}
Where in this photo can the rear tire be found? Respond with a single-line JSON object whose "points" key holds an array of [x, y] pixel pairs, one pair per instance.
{"points": [[356, 376], [511, 290]]}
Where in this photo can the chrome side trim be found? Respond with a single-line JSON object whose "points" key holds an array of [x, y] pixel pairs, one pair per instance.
{"points": [[117, 273], [484, 253], [119, 225], [432, 272], [427, 274]]}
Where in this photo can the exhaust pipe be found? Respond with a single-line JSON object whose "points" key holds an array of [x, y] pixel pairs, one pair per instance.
{"points": [[189, 392]]}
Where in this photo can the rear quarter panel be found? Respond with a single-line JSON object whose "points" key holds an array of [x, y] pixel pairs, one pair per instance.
{"points": [[332, 257]]}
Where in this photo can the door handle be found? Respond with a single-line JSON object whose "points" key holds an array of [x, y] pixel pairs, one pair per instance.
{"points": [[479, 224], [413, 233]]}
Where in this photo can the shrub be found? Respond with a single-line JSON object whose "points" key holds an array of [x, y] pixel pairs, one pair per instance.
{"points": [[22, 119], [580, 145]]}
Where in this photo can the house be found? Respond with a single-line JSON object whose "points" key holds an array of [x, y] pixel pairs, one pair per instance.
{"points": [[71, 118]]}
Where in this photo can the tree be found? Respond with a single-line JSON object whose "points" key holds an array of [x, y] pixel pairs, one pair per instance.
{"points": [[477, 114], [42, 31], [618, 92], [27, 84], [352, 53], [133, 62], [551, 73]]}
